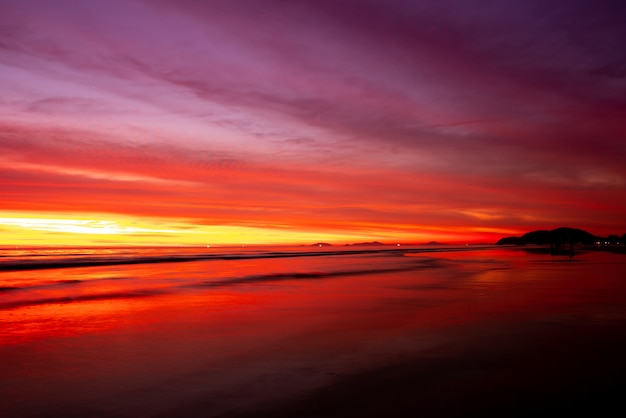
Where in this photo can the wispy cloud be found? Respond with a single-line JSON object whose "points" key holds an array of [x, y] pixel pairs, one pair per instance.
{"points": [[317, 115]]}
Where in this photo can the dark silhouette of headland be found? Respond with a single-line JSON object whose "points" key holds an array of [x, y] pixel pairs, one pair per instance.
{"points": [[563, 240]]}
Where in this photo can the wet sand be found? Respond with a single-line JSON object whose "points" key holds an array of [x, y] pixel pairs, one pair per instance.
{"points": [[478, 333], [533, 372]]}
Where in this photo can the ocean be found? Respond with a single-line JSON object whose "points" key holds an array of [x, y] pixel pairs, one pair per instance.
{"points": [[281, 331], [34, 276]]}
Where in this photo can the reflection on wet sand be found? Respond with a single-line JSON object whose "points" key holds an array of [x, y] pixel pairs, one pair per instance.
{"points": [[451, 333]]}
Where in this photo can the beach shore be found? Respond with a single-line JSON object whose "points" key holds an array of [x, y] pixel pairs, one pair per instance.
{"points": [[529, 372], [491, 332]]}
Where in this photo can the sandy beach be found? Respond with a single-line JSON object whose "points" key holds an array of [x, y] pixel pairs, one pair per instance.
{"points": [[487, 332], [536, 371]]}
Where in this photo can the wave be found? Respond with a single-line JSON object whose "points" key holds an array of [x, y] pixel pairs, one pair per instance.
{"points": [[261, 278], [51, 285], [80, 298], [35, 262], [66, 291]]}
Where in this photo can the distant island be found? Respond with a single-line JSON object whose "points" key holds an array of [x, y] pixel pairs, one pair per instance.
{"points": [[562, 236], [366, 244], [356, 244]]}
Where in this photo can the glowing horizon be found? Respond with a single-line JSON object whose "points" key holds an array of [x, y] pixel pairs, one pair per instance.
{"points": [[77, 230], [198, 122]]}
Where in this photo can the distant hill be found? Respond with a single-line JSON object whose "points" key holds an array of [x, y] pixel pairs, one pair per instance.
{"points": [[558, 235], [366, 244]]}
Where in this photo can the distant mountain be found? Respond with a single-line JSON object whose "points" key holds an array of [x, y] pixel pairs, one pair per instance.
{"points": [[559, 236], [362, 244]]}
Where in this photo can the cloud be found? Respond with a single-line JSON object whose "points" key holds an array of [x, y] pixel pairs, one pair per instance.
{"points": [[315, 113]]}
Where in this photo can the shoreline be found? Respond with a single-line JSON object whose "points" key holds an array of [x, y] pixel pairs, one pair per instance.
{"points": [[545, 249], [495, 332]]}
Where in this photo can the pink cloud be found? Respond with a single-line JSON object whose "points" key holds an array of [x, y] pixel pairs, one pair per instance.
{"points": [[317, 113]]}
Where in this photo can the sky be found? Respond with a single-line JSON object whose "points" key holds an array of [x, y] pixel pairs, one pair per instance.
{"points": [[285, 121]]}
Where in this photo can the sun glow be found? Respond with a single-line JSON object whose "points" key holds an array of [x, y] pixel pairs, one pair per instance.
{"points": [[78, 226], [108, 229], [47, 228]]}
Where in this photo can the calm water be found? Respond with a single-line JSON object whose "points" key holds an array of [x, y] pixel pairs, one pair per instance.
{"points": [[148, 332]]}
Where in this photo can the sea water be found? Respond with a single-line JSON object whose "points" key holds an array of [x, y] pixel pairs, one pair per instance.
{"points": [[213, 331]]}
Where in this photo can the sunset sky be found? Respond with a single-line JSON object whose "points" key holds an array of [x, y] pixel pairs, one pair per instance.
{"points": [[276, 121]]}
